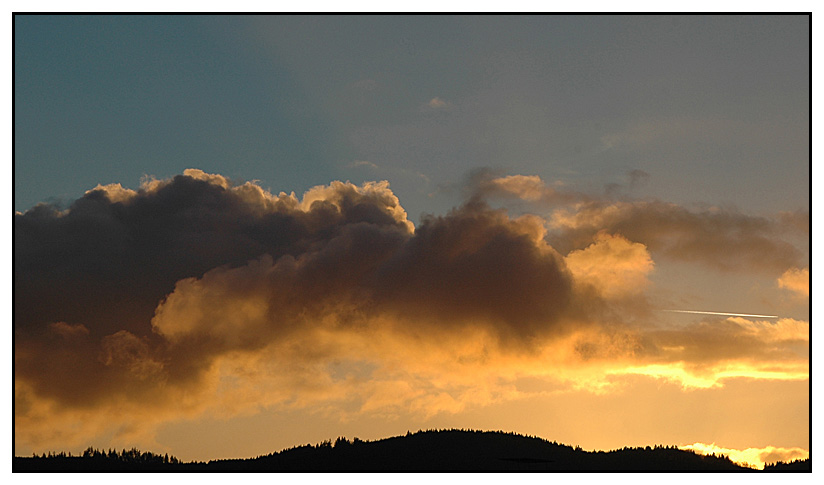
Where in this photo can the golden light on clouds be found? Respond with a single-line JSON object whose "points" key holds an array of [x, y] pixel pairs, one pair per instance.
{"points": [[613, 265], [528, 187], [796, 280], [335, 304], [238, 234]]}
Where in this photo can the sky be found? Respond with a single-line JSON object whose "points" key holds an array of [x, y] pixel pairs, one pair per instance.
{"points": [[237, 234]]}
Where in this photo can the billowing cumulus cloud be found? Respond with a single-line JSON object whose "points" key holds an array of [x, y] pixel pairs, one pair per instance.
{"points": [[197, 294], [613, 264], [88, 279]]}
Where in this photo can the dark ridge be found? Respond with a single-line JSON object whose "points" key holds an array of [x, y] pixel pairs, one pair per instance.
{"points": [[432, 450], [804, 465]]}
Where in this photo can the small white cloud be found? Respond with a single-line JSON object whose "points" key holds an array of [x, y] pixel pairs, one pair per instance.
{"points": [[363, 163], [438, 103], [527, 187]]}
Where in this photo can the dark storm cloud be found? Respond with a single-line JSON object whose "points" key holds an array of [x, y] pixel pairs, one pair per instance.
{"points": [[130, 291], [478, 264], [106, 264], [138, 248]]}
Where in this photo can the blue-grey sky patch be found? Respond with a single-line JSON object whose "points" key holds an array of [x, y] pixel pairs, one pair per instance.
{"points": [[697, 101]]}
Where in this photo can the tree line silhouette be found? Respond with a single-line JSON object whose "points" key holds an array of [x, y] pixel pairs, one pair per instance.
{"points": [[430, 450], [804, 465], [93, 459]]}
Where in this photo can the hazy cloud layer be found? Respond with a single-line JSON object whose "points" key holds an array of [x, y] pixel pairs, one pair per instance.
{"points": [[200, 295], [724, 239]]}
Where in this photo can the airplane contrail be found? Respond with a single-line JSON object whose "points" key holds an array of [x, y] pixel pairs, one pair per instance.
{"points": [[721, 313]]}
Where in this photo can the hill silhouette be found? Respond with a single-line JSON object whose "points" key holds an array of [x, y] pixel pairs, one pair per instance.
{"points": [[433, 450], [804, 465]]}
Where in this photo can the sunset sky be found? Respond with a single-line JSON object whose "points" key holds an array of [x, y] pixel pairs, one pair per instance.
{"points": [[237, 234]]}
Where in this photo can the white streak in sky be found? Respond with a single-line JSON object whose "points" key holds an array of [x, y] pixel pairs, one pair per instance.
{"points": [[720, 313]]}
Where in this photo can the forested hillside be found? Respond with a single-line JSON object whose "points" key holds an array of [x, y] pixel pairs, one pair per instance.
{"points": [[434, 450]]}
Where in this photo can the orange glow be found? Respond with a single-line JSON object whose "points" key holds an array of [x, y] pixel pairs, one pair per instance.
{"points": [[352, 331], [613, 265], [753, 457], [796, 280]]}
